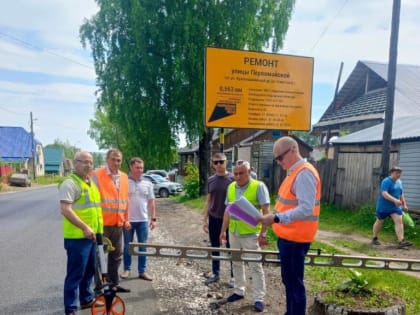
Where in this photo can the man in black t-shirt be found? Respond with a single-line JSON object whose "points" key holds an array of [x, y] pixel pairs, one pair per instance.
{"points": [[215, 209]]}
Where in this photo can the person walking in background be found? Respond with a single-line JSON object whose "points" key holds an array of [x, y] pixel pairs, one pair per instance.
{"points": [[214, 210], [113, 186], [245, 236], [296, 219], [141, 204], [253, 173], [390, 203], [80, 204]]}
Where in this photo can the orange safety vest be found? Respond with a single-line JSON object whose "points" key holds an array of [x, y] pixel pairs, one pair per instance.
{"points": [[304, 230], [114, 201]]}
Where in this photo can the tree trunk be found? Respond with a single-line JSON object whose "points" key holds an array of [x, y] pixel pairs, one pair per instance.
{"points": [[204, 151]]}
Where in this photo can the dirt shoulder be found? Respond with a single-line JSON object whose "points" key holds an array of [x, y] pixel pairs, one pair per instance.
{"points": [[179, 282]]}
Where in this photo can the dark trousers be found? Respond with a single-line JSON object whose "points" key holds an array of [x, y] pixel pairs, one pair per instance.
{"points": [[81, 260], [292, 259], [215, 227], [114, 233]]}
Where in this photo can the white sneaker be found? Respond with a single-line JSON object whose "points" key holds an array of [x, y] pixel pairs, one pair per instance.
{"points": [[232, 283], [125, 274]]}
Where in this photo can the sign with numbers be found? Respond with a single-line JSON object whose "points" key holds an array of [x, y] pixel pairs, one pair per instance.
{"points": [[245, 89]]}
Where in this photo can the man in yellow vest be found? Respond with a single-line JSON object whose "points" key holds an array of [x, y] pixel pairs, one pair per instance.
{"points": [[113, 186], [80, 204], [243, 235], [295, 220]]}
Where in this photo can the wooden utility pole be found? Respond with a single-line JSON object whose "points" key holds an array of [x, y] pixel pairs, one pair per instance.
{"points": [[392, 72], [334, 104], [222, 139], [33, 147]]}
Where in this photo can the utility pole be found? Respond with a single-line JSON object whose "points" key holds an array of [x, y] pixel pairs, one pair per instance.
{"points": [[222, 139], [33, 147], [392, 70]]}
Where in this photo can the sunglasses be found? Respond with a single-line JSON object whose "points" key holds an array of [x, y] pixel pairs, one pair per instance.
{"points": [[219, 162], [280, 157]]}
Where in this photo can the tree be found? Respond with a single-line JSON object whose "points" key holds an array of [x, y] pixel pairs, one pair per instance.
{"points": [[307, 137], [149, 61]]}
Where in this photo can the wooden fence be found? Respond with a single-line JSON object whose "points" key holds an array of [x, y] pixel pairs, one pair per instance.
{"points": [[352, 178]]}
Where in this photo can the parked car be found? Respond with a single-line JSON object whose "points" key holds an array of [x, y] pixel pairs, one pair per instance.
{"points": [[20, 179], [162, 173], [163, 187]]}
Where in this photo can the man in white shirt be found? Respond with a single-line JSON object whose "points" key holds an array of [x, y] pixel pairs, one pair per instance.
{"points": [[141, 205]]}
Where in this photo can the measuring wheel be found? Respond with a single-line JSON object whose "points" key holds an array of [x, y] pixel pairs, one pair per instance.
{"points": [[108, 303]]}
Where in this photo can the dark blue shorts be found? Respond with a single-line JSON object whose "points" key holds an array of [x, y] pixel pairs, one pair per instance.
{"points": [[382, 215]]}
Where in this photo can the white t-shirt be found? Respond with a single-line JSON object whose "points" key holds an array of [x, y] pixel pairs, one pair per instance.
{"points": [[139, 194], [68, 191]]}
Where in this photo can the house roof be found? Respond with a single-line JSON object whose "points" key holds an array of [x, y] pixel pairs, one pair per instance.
{"points": [[403, 129], [53, 158], [353, 103], [15, 144]]}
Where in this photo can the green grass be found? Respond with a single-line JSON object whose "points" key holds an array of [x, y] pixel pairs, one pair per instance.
{"points": [[47, 180], [195, 204], [361, 221], [319, 278]]}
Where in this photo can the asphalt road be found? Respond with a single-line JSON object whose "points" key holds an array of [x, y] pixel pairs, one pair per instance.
{"points": [[32, 261]]}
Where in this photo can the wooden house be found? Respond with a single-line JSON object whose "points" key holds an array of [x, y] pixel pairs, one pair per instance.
{"points": [[361, 101]]}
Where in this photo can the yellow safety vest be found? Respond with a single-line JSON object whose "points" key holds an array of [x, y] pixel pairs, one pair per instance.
{"points": [[87, 208], [251, 194]]}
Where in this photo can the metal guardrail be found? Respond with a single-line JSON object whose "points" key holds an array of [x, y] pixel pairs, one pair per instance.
{"points": [[315, 257]]}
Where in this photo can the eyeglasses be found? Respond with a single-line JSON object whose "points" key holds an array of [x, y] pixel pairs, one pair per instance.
{"points": [[280, 157], [86, 162], [219, 162]]}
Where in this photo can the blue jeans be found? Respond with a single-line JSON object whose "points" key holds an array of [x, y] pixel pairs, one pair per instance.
{"points": [[81, 262], [142, 231], [292, 260]]}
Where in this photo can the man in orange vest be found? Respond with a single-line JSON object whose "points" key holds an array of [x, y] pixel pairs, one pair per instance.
{"points": [[113, 186], [296, 219]]}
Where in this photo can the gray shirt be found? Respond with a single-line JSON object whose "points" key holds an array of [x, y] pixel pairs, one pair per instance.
{"points": [[263, 197]]}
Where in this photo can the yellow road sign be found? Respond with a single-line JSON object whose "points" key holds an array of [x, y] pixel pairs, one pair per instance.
{"points": [[245, 89]]}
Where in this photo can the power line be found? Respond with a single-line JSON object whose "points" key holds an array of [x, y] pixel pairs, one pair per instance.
{"points": [[329, 24], [12, 112], [25, 43]]}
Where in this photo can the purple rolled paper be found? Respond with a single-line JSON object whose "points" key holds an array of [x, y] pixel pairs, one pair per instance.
{"points": [[237, 212]]}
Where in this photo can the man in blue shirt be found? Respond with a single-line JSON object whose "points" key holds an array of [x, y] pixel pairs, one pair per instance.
{"points": [[390, 203]]}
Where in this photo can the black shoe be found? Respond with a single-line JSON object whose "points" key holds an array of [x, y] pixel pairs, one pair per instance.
{"points": [[92, 304], [211, 279], [404, 243], [120, 289], [235, 297], [259, 306], [375, 241]]}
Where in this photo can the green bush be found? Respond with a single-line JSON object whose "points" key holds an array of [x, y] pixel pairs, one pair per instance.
{"points": [[192, 181]]}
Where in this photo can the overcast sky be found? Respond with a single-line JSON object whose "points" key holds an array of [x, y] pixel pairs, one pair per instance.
{"points": [[45, 70]]}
